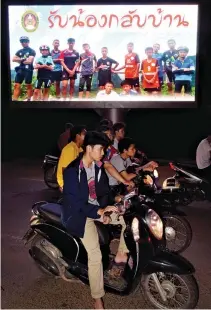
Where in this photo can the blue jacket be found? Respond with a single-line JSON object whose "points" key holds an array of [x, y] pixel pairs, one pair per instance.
{"points": [[75, 208]]}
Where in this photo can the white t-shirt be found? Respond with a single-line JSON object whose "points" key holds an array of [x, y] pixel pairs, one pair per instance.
{"points": [[203, 154], [120, 164], [101, 95]]}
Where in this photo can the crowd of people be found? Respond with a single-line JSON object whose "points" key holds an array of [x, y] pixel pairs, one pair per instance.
{"points": [[54, 67]]}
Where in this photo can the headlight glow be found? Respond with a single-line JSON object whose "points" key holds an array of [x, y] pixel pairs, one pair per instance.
{"points": [[135, 229], [148, 180], [156, 174], [155, 224]]}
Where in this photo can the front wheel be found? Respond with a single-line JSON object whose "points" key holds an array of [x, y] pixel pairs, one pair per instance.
{"points": [[50, 177], [178, 233], [181, 291]]}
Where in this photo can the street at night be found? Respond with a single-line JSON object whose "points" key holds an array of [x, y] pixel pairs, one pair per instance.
{"points": [[25, 287]]}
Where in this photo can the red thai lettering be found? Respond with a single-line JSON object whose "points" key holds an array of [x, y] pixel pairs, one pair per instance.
{"points": [[111, 19], [53, 17], [127, 20], [91, 21], [105, 18], [154, 24], [181, 21], [169, 17], [139, 24], [76, 20]]}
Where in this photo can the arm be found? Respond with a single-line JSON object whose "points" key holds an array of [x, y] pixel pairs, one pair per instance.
{"points": [[143, 74], [115, 63], [113, 172], [29, 60], [138, 65], [16, 59], [128, 176], [72, 195], [63, 64], [118, 69]]}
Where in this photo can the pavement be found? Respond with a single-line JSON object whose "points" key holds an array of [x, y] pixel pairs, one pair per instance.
{"points": [[23, 286]]}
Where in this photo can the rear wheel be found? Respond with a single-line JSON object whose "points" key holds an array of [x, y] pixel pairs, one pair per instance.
{"points": [[181, 291], [50, 177], [178, 233]]}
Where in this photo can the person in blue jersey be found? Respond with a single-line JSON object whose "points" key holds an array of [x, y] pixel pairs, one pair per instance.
{"points": [[44, 66], [127, 90], [57, 70], [183, 69], [88, 65], [159, 57]]}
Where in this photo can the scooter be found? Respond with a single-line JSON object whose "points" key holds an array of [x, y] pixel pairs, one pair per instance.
{"points": [[50, 168], [166, 278]]}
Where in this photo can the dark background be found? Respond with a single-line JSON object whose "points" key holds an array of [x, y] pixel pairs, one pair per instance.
{"points": [[161, 133]]}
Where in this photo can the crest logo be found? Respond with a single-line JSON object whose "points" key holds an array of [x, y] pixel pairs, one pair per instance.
{"points": [[30, 21]]}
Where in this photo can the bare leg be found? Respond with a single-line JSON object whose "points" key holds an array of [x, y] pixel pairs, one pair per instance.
{"points": [[72, 84], [57, 87], [36, 96], [45, 94], [87, 94], [80, 94], [64, 89], [17, 91], [29, 91]]}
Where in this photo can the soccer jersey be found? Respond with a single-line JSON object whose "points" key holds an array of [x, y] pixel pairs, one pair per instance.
{"points": [[105, 72], [44, 73], [56, 55], [70, 58], [169, 58], [149, 67], [23, 54], [87, 63], [131, 65], [159, 57], [181, 75]]}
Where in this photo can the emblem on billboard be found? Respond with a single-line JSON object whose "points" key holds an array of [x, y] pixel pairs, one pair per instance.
{"points": [[30, 21]]}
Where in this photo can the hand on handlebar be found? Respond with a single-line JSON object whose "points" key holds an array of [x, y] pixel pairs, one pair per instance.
{"points": [[106, 219], [107, 210]]}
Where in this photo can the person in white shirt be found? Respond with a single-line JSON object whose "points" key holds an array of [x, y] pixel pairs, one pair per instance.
{"points": [[203, 157], [119, 134], [107, 93]]}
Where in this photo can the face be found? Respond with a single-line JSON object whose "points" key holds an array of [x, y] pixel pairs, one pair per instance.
{"points": [[45, 52], [130, 48], [120, 133], [156, 48], [96, 152], [171, 44], [25, 43], [126, 88], [86, 48], [81, 137], [109, 134], [182, 54], [56, 44], [131, 150], [104, 52], [149, 53], [108, 88], [71, 45]]}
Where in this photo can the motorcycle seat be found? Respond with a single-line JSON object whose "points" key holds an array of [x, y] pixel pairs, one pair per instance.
{"points": [[51, 212]]}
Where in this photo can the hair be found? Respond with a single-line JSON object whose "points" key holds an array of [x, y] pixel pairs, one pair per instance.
{"points": [[69, 126], [124, 144], [85, 44], [123, 83], [110, 82], [106, 122], [93, 138], [77, 130], [148, 48], [104, 128], [104, 48], [131, 43], [171, 40], [118, 126], [56, 40], [156, 44]]}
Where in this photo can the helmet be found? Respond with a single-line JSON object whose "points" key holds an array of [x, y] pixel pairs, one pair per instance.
{"points": [[183, 48], [22, 39], [44, 47]]}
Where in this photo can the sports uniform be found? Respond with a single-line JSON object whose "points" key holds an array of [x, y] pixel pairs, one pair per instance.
{"points": [[70, 57], [183, 78], [149, 67], [24, 72], [87, 61], [131, 69], [169, 58], [104, 74], [57, 71]]}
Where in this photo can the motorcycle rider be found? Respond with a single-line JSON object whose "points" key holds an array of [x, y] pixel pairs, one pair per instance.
{"points": [[65, 136], [119, 133], [86, 198], [203, 157]]}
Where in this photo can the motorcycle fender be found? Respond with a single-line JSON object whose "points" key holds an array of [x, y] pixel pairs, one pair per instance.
{"points": [[67, 244], [169, 263], [173, 211]]}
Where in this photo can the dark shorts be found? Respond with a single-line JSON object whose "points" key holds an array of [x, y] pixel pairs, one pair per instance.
{"points": [[56, 76], [103, 79], [66, 76], [41, 81], [150, 90], [23, 75], [85, 79], [133, 82], [170, 76], [180, 84]]}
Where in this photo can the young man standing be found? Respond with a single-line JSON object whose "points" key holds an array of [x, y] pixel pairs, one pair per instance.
{"points": [[24, 72], [107, 93], [86, 199], [71, 151], [169, 58], [159, 57], [88, 64], [149, 69], [57, 71], [69, 61], [132, 67], [104, 66], [183, 69]]}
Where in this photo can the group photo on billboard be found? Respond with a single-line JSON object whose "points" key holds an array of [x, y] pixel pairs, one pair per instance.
{"points": [[103, 53]]}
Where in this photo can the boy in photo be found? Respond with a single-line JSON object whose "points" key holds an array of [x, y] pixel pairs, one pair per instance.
{"points": [[107, 93], [127, 90], [44, 66], [57, 70]]}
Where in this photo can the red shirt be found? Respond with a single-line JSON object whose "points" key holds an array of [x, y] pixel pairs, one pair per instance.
{"points": [[149, 67], [131, 66]]}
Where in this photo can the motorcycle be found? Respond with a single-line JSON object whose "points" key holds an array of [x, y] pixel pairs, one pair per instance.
{"points": [[50, 168], [191, 181], [166, 278]]}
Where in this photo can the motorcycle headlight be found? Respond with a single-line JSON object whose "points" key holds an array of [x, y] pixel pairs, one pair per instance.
{"points": [[135, 229], [155, 224], [155, 172], [148, 180]]}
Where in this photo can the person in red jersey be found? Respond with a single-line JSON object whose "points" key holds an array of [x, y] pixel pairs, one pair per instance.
{"points": [[70, 62], [132, 67], [149, 69]]}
